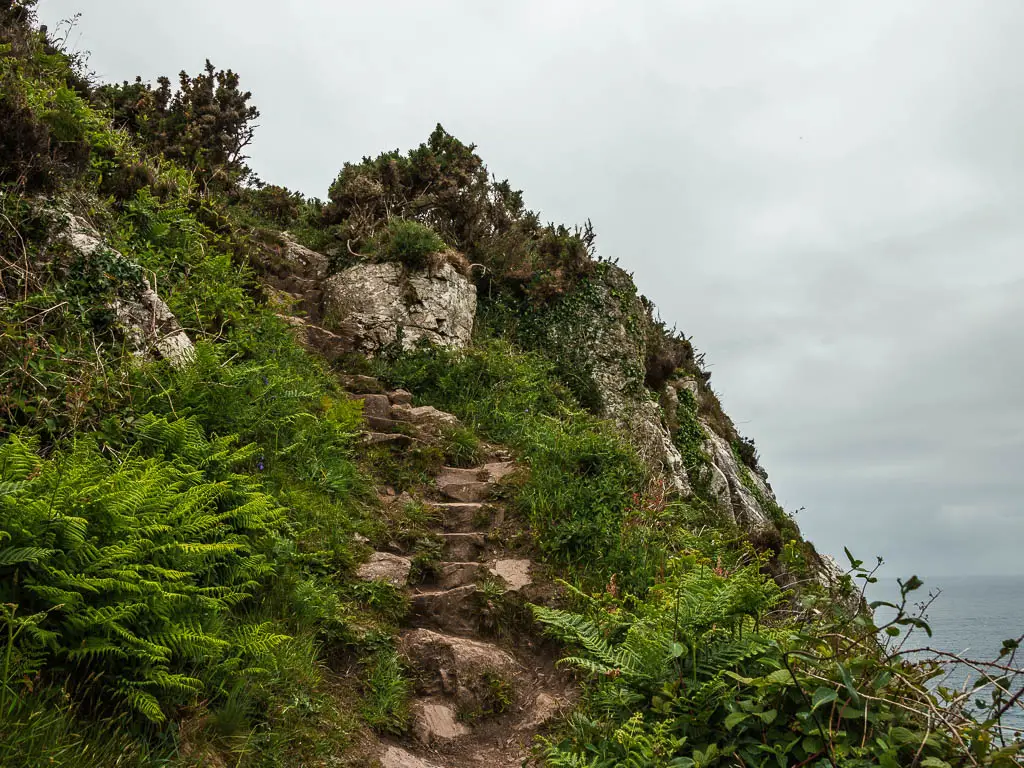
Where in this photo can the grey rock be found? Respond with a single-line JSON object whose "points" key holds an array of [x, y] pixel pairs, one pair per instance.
{"points": [[436, 723], [149, 326], [383, 566], [375, 304]]}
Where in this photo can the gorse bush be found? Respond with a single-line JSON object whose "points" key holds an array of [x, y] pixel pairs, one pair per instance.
{"points": [[410, 243], [205, 125]]}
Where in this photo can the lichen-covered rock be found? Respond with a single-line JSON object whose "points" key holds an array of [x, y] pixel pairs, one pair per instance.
{"points": [[386, 567], [600, 329], [149, 326], [730, 484], [302, 260], [377, 305]]}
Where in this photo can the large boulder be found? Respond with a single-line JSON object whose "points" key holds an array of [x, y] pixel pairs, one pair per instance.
{"points": [[149, 326], [378, 305]]}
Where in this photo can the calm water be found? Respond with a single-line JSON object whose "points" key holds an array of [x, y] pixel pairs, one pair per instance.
{"points": [[972, 615]]}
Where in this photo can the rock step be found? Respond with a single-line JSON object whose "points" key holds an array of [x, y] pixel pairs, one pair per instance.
{"points": [[463, 671], [465, 547], [396, 757], [435, 723], [453, 610], [453, 574], [463, 516], [384, 566]]}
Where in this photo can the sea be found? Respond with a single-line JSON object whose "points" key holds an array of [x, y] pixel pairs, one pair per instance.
{"points": [[971, 616]]}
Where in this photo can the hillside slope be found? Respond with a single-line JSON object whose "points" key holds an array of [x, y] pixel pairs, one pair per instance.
{"points": [[290, 482]]}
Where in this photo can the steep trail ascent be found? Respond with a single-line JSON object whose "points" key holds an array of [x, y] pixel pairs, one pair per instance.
{"points": [[478, 700]]}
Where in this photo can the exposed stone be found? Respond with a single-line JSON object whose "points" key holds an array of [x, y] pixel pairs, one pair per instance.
{"points": [[602, 333], [463, 546], [454, 610], [395, 757], [375, 405], [451, 575], [378, 304], [515, 573], [435, 723], [458, 667], [744, 506], [302, 260], [401, 397], [460, 516], [541, 711], [361, 385], [150, 328], [383, 566], [426, 417]]}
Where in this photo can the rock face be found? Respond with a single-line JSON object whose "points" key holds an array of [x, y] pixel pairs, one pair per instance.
{"points": [[149, 325], [377, 305], [602, 331]]}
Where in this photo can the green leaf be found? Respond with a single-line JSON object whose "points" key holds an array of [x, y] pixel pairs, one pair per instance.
{"points": [[854, 562], [734, 719], [823, 695], [768, 717], [848, 682], [781, 677], [934, 762]]}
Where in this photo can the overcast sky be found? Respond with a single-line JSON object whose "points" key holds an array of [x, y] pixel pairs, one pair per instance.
{"points": [[827, 197]]}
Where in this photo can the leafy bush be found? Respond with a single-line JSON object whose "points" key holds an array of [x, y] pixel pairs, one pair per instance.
{"points": [[410, 243], [205, 125], [444, 185], [701, 673], [129, 570]]}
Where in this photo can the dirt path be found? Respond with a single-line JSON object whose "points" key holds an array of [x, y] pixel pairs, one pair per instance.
{"points": [[478, 701]]}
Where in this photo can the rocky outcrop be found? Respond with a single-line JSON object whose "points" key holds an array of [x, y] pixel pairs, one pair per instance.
{"points": [[601, 331], [378, 305], [149, 326]]}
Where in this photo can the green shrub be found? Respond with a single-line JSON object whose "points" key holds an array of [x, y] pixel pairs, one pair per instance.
{"points": [[694, 675], [583, 478], [134, 567], [410, 243]]}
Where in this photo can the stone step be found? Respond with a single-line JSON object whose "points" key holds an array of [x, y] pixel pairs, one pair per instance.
{"points": [[515, 573], [465, 547], [471, 491], [464, 671], [451, 574], [400, 397], [394, 439], [384, 566], [454, 610], [472, 485], [462, 516], [435, 723], [396, 757], [383, 424], [359, 384]]}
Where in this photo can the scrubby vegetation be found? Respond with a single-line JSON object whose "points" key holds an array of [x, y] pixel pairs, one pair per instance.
{"points": [[177, 544]]}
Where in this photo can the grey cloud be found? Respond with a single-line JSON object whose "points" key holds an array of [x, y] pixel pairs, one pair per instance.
{"points": [[825, 196]]}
